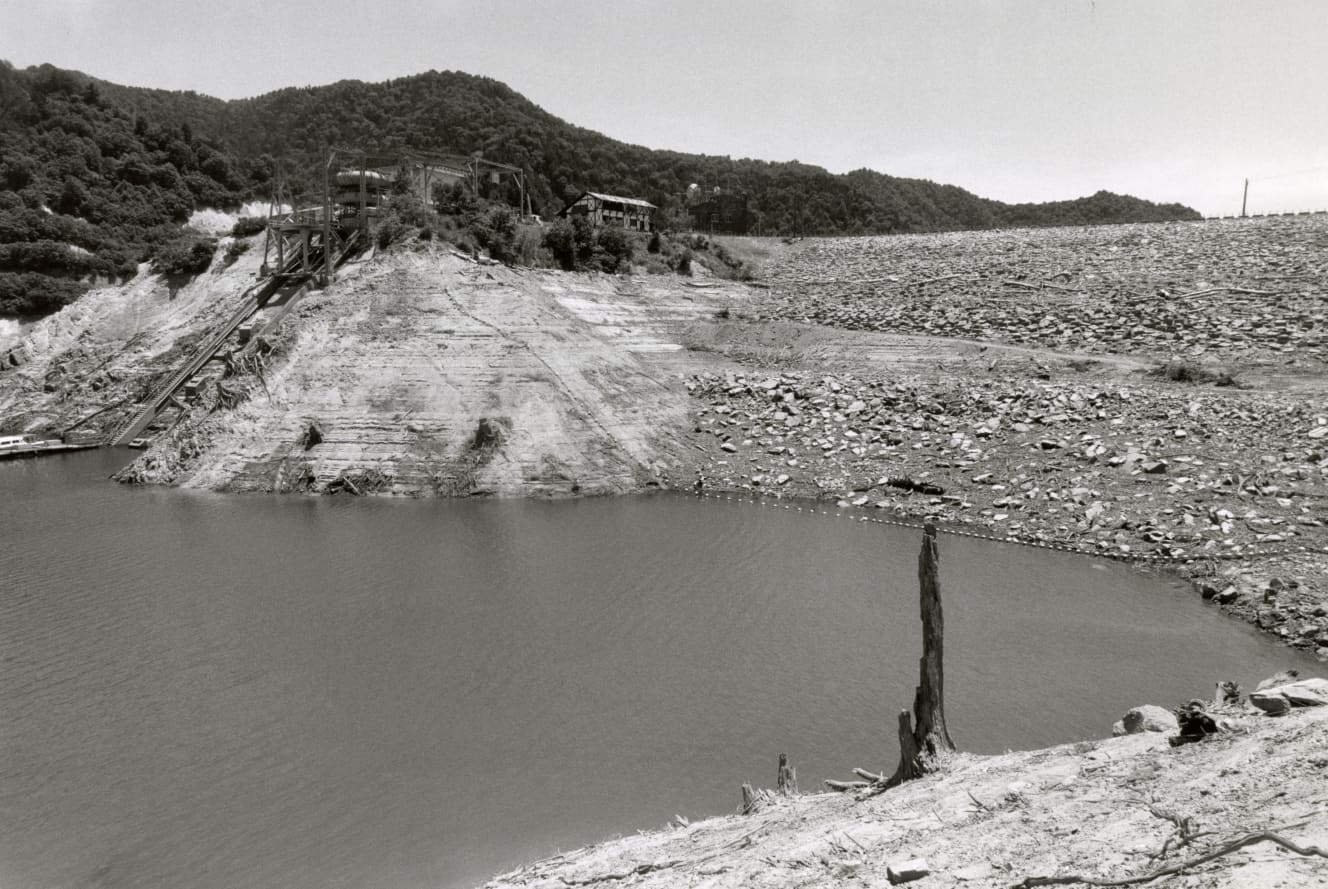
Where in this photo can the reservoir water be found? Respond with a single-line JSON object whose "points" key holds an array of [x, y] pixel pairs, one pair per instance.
{"points": [[208, 692]]}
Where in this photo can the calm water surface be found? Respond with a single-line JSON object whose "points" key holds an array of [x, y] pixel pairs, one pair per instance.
{"points": [[203, 692]]}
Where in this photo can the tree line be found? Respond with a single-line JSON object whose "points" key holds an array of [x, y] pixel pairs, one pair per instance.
{"points": [[114, 170]]}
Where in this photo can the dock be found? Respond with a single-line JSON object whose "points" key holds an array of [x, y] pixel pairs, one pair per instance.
{"points": [[41, 449]]}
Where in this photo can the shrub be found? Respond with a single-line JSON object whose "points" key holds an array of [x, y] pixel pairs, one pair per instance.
{"points": [[389, 229], [185, 256], [30, 293], [613, 248], [657, 266], [683, 263], [496, 232], [560, 239], [246, 226], [236, 250], [1178, 371], [529, 246]]}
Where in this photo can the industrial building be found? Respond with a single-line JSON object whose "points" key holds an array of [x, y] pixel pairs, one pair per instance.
{"points": [[722, 212], [632, 214]]}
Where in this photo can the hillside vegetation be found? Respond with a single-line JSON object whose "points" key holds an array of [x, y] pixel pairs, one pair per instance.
{"points": [[97, 177], [90, 189], [455, 112]]}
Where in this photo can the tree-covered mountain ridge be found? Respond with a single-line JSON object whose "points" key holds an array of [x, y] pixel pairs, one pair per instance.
{"points": [[454, 112], [96, 177]]}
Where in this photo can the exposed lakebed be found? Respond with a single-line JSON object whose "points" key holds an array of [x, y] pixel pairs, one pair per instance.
{"points": [[206, 691]]}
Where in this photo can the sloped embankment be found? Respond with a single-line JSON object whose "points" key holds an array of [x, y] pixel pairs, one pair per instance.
{"points": [[424, 374], [84, 369], [1105, 810]]}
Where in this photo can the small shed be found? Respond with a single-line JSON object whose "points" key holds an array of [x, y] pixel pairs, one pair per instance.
{"points": [[633, 214]]}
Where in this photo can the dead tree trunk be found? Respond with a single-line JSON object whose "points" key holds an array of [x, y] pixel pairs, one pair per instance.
{"points": [[924, 741], [787, 782]]}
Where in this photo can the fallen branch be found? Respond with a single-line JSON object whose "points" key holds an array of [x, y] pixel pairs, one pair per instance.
{"points": [[1241, 843], [1244, 290], [1186, 831], [935, 280], [869, 776], [639, 870], [845, 786]]}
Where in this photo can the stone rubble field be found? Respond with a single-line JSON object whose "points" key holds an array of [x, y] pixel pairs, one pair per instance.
{"points": [[1234, 288], [1219, 476]]}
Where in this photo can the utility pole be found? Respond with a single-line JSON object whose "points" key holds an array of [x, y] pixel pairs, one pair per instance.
{"points": [[1243, 198]]}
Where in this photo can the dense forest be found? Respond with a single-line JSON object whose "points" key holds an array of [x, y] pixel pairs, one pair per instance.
{"points": [[88, 189], [97, 177]]}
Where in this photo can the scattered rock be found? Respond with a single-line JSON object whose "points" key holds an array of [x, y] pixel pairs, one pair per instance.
{"points": [[1148, 718], [906, 871], [1281, 698]]}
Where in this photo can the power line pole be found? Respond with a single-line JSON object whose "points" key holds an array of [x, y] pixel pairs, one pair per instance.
{"points": [[1243, 198]]}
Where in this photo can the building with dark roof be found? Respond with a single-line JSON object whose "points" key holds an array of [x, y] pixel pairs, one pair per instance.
{"points": [[632, 214], [722, 213]]}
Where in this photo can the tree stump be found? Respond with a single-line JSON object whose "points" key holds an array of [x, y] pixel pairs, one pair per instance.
{"points": [[787, 782], [313, 435], [924, 741], [489, 433]]}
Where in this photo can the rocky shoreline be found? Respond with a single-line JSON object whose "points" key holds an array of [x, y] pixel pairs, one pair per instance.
{"points": [[1150, 393], [1136, 473]]}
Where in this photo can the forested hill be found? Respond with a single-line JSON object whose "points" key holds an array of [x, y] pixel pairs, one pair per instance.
{"points": [[88, 189], [451, 112], [95, 177]]}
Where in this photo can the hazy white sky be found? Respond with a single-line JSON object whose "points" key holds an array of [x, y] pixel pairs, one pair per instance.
{"points": [[1020, 100]]}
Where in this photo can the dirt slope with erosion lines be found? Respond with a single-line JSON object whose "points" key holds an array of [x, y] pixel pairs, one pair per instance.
{"points": [[86, 367], [575, 379]]}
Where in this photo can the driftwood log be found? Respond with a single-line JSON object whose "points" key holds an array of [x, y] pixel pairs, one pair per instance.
{"points": [[924, 741]]}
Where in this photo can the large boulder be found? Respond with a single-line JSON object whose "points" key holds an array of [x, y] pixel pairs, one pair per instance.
{"points": [[1148, 718], [1279, 699]]}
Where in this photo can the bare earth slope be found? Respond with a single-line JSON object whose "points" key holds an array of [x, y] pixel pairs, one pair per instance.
{"points": [[87, 366], [427, 374], [1099, 810]]}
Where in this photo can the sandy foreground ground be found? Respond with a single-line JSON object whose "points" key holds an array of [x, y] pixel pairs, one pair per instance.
{"points": [[1115, 809]]}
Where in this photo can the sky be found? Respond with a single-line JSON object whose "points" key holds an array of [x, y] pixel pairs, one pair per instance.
{"points": [[1017, 100]]}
